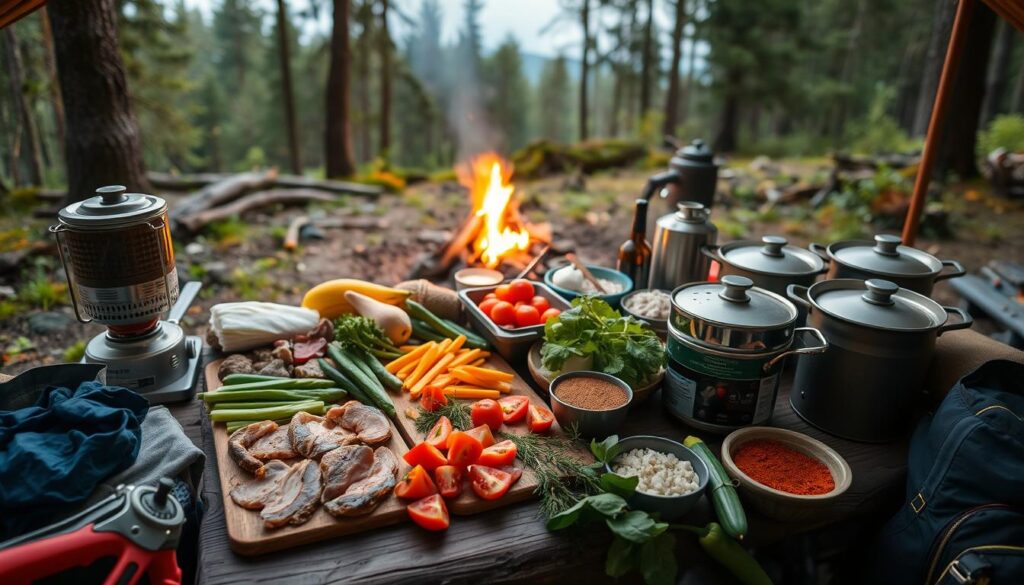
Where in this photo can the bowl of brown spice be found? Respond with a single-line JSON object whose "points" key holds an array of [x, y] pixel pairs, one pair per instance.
{"points": [[594, 402]]}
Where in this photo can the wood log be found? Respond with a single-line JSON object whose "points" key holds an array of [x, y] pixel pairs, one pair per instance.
{"points": [[221, 192], [171, 182], [196, 221]]}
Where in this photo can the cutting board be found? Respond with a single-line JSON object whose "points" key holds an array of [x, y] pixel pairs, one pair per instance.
{"points": [[246, 533]]}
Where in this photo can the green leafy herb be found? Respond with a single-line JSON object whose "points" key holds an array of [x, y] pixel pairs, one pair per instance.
{"points": [[658, 560], [603, 451], [624, 347], [363, 335], [621, 558], [562, 477], [635, 526], [457, 412], [616, 484]]}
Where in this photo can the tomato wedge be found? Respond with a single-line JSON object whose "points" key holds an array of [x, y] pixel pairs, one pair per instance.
{"points": [[489, 483], [487, 412], [438, 434], [449, 481], [483, 434], [513, 408], [463, 449], [426, 455], [416, 484], [498, 454], [539, 418], [433, 398], [515, 472], [430, 513]]}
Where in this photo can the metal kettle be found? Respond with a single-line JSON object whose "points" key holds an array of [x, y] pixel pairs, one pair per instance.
{"points": [[677, 258], [692, 176]]}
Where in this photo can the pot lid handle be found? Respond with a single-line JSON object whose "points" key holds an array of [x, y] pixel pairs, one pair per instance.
{"points": [[880, 292], [736, 287], [112, 194], [887, 245], [773, 246]]}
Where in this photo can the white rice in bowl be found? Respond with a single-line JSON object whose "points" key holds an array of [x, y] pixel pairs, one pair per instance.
{"points": [[661, 474]]}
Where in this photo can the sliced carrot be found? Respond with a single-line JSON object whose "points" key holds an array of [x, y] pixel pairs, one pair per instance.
{"points": [[489, 374], [504, 387], [456, 345], [406, 370], [465, 357], [471, 392], [478, 362], [408, 348], [424, 364], [440, 366], [443, 380], [396, 364], [464, 376]]}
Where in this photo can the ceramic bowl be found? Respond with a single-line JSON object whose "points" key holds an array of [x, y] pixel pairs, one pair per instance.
{"points": [[589, 423], [542, 376], [778, 504], [660, 326], [598, 272], [669, 507]]}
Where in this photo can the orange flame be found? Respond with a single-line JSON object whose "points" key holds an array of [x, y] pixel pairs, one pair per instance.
{"points": [[487, 178]]}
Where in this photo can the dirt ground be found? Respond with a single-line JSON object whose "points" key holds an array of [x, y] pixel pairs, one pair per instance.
{"points": [[244, 260]]}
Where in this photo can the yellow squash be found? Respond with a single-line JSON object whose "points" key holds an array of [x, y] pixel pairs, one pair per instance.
{"points": [[328, 298]]}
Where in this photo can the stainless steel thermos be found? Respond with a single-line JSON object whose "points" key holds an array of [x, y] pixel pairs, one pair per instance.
{"points": [[678, 238]]}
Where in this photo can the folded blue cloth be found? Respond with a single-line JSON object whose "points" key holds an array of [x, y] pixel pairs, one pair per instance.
{"points": [[54, 454]]}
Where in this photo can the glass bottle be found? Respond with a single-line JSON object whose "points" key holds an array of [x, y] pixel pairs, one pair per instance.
{"points": [[635, 253]]}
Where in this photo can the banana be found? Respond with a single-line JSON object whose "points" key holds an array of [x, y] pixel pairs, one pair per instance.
{"points": [[328, 298]]}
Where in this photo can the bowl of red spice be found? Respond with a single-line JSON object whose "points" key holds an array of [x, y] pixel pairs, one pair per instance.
{"points": [[594, 402], [784, 474]]}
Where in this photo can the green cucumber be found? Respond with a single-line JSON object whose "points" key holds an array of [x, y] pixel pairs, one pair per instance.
{"points": [[343, 381], [439, 325], [723, 494], [389, 380], [423, 332], [347, 364]]}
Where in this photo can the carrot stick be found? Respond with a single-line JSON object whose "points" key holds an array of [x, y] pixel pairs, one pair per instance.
{"points": [[466, 357], [489, 374], [406, 370], [408, 348], [425, 363], [397, 363], [439, 367], [442, 381], [464, 376], [478, 362], [470, 392], [456, 345]]}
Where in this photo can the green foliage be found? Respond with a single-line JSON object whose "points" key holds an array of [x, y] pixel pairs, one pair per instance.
{"points": [[8, 309], [253, 283], [38, 291], [878, 132], [508, 93], [1006, 131], [228, 232], [74, 352]]}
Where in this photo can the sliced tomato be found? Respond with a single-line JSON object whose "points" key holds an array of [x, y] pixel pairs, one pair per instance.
{"points": [[515, 472], [498, 454], [513, 408], [487, 412], [449, 481], [433, 398], [416, 484], [483, 434], [426, 455], [430, 513], [463, 449], [539, 418], [489, 483], [438, 434]]}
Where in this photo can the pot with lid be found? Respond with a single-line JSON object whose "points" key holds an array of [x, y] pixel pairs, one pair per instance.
{"points": [[881, 337], [886, 258], [727, 344]]}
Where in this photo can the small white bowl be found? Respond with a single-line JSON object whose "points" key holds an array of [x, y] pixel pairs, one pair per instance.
{"points": [[477, 277]]}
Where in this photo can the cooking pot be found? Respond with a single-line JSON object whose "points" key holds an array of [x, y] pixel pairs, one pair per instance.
{"points": [[886, 258], [727, 344], [881, 339]]}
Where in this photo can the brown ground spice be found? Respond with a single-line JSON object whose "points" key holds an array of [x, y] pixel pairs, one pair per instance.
{"points": [[591, 393]]}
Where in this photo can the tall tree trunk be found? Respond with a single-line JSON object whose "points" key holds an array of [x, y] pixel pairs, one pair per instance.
{"points": [[998, 74], [338, 139], [365, 150], [385, 82], [16, 76], [1017, 99], [729, 122], [942, 25], [907, 86], [672, 98], [849, 64], [688, 96], [613, 119], [584, 68], [283, 53], [647, 61], [56, 101]]}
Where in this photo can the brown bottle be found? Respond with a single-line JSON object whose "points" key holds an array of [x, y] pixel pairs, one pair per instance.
{"points": [[635, 253]]}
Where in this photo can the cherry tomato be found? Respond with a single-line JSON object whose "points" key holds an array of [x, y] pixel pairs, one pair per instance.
{"points": [[513, 408], [433, 398], [463, 449], [487, 305], [416, 484], [426, 455], [490, 295], [503, 313], [539, 418], [487, 412], [527, 315], [449, 481], [430, 513], [438, 435], [489, 483], [498, 454], [483, 434], [549, 314], [520, 290], [504, 293], [540, 303]]}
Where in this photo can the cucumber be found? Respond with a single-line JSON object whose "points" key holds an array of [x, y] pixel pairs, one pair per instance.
{"points": [[423, 332], [440, 326], [344, 382], [389, 380], [723, 494], [368, 384]]}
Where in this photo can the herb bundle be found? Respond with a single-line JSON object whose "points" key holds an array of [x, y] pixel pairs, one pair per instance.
{"points": [[561, 477], [364, 335], [458, 413]]}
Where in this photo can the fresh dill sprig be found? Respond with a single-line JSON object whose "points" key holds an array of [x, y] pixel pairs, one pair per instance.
{"points": [[563, 476], [456, 412]]}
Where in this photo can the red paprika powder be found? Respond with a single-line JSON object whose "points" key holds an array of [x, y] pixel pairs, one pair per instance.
{"points": [[779, 467]]}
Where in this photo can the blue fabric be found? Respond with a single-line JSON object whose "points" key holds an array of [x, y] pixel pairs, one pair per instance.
{"points": [[55, 453]]}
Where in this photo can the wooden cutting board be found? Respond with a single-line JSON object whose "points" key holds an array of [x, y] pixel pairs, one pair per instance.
{"points": [[246, 533]]}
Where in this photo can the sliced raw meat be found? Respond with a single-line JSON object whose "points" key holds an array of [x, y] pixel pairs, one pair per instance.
{"points": [[312, 438], [370, 425], [245, 437], [255, 494], [363, 496], [276, 445], [296, 497], [343, 467]]}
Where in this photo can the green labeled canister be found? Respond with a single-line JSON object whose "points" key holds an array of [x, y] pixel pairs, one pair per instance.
{"points": [[727, 345]]}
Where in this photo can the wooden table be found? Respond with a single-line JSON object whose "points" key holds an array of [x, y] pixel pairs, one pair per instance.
{"points": [[512, 544]]}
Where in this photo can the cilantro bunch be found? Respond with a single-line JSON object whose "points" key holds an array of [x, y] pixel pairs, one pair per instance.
{"points": [[621, 346]]}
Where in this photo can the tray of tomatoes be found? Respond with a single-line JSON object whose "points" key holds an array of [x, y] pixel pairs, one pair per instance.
{"points": [[512, 315]]}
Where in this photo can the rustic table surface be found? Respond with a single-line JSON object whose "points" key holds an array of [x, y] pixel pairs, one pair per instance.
{"points": [[510, 544]]}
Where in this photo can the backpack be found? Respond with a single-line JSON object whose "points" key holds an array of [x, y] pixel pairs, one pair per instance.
{"points": [[963, 521]]}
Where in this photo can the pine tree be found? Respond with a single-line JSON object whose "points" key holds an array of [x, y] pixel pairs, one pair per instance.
{"points": [[507, 93], [554, 101], [338, 132]]}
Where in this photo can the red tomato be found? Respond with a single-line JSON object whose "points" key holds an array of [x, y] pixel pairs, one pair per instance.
{"points": [[489, 483], [416, 484], [539, 418], [504, 293], [503, 313], [483, 434], [430, 513], [449, 481], [487, 412], [549, 314], [527, 315], [520, 289], [487, 304], [426, 455], [490, 295], [438, 435], [515, 472], [498, 454], [513, 408], [540, 303], [433, 398], [463, 449]]}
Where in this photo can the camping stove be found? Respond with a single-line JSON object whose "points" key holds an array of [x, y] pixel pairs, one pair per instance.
{"points": [[117, 253]]}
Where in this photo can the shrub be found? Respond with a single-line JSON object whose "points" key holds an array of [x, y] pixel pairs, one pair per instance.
{"points": [[1005, 131]]}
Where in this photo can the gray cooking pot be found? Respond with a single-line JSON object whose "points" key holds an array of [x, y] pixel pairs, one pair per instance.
{"points": [[886, 258], [881, 339]]}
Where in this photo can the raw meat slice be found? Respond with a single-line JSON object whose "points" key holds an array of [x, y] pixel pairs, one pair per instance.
{"points": [[276, 445], [312, 438], [245, 437], [342, 467], [296, 497], [370, 425], [254, 494], [363, 496]]}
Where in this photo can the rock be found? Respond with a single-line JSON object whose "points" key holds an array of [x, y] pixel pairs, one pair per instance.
{"points": [[48, 322], [217, 272], [194, 249], [7, 292]]}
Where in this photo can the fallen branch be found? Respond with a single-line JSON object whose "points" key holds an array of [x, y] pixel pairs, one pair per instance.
{"points": [[170, 182], [221, 192], [196, 221]]}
